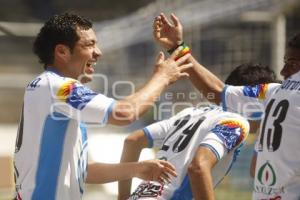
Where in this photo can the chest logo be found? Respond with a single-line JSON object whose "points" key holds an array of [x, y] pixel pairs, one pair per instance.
{"points": [[266, 175]]}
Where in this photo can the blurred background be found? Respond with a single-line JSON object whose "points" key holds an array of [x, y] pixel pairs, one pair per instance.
{"points": [[221, 33]]}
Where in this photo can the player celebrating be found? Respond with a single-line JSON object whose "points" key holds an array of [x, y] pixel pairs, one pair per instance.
{"points": [[277, 168], [200, 142], [51, 148]]}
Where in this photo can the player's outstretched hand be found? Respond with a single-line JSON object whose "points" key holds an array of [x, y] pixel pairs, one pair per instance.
{"points": [[167, 34], [172, 68], [156, 170]]}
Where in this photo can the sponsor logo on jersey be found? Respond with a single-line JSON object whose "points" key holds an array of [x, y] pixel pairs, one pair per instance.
{"points": [[275, 198], [34, 84], [147, 189], [266, 176], [258, 91], [291, 85], [231, 132]]}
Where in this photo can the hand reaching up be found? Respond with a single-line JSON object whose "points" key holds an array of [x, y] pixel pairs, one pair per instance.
{"points": [[167, 34]]}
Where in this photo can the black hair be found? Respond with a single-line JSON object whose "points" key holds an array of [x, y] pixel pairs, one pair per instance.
{"points": [[251, 74], [59, 29], [294, 42]]}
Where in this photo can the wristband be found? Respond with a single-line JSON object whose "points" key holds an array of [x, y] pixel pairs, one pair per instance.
{"points": [[185, 50], [170, 51]]}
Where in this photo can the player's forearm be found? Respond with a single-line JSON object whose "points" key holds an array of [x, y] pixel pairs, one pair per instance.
{"points": [[132, 148], [99, 173], [199, 172], [124, 189], [205, 81], [131, 108], [201, 183]]}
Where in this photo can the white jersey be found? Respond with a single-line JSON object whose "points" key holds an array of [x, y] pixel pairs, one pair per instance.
{"points": [[178, 139], [51, 148], [277, 175]]}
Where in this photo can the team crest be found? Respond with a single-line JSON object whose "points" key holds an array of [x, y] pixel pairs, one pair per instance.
{"points": [[258, 91], [231, 132]]}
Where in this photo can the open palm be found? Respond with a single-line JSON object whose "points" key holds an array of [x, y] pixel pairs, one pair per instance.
{"points": [[168, 35]]}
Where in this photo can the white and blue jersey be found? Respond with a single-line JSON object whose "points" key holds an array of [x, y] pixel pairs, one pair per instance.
{"points": [[179, 137], [277, 172], [51, 147]]}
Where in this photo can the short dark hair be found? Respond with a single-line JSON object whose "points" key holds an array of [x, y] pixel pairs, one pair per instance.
{"points": [[294, 42], [59, 29], [251, 74]]}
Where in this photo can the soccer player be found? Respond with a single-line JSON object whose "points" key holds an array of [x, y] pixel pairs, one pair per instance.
{"points": [[278, 157], [200, 142], [51, 147]]}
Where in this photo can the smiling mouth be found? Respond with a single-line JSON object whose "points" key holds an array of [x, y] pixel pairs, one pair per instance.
{"points": [[91, 64], [90, 68]]}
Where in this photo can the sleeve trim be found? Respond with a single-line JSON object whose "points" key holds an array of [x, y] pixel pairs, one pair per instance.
{"points": [[223, 98], [108, 112], [212, 149], [149, 137]]}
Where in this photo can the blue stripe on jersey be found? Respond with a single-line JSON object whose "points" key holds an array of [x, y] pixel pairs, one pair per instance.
{"points": [[51, 150], [184, 192], [212, 149], [83, 132], [149, 137], [223, 98], [108, 112], [83, 159]]}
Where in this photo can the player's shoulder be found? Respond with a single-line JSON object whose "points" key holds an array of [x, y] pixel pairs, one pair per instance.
{"points": [[231, 128], [233, 121], [231, 116], [200, 109], [58, 82], [56, 78], [185, 111], [38, 82], [49, 80]]}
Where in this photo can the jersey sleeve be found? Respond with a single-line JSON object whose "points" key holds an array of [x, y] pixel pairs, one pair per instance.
{"points": [[227, 134], [75, 100], [157, 132], [248, 101]]}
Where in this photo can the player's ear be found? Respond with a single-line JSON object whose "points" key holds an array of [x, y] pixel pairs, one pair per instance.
{"points": [[62, 52]]}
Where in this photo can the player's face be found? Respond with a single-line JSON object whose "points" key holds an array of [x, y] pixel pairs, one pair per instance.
{"points": [[85, 55], [291, 62]]}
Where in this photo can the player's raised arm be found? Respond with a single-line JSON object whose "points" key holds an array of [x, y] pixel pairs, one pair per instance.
{"points": [[169, 35], [166, 72]]}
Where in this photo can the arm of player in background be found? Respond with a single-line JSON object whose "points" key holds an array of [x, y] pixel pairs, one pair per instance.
{"points": [[169, 35], [199, 172], [132, 148], [254, 157], [252, 165], [166, 72]]}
